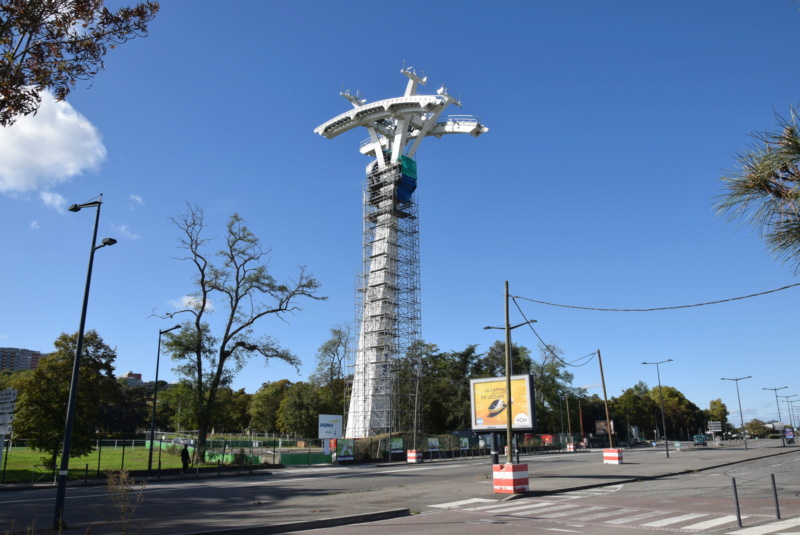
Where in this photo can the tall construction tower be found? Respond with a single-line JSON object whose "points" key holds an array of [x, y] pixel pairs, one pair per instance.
{"points": [[387, 297]]}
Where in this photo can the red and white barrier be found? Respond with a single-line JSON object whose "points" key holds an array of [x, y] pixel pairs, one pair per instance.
{"points": [[612, 456], [510, 478], [570, 447], [413, 456]]}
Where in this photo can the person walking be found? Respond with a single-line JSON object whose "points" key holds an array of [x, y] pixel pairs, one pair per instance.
{"points": [[185, 458]]}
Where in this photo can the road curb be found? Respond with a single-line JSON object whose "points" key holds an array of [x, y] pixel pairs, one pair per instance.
{"points": [[307, 524]]}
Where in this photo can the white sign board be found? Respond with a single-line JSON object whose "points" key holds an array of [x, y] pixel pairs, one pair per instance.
{"points": [[7, 407], [5, 429], [7, 396], [6, 418], [330, 426]]}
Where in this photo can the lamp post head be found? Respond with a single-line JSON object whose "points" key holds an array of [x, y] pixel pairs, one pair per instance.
{"points": [[168, 330], [511, 327], [77, 207], [107, 242]]}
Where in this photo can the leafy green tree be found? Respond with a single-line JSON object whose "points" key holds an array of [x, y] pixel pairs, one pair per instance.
{"points": [[551, 381], [329, 374], [51, 44], [593, 410], [756, 428], [635, 408], [299, 411], [44, 393], [129, 411], [682, 416], [409, 388], [232, 414], [717, 412], [493, 364], [9, 377], [176, 407], [246, 293], [765, 189], [445, 388], [265, 404]]}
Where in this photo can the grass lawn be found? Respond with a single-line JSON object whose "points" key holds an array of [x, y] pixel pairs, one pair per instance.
{"points": [[23, 465]]}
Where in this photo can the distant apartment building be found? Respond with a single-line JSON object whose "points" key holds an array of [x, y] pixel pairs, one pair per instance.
{"points": [[12, 358], [132, 378]]}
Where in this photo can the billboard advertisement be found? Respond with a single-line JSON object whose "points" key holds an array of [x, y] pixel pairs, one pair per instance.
{"points": [[601, 425], [345, 448], [490, 403]]}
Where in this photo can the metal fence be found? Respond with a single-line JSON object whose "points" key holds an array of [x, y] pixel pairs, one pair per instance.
{"points": [[21, 464]]}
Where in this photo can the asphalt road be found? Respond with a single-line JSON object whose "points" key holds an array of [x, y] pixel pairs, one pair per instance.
{"points": [[695, 502], [445, 493]]}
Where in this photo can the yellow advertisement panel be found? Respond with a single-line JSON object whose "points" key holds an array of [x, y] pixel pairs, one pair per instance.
{"points": [[491, 405]]}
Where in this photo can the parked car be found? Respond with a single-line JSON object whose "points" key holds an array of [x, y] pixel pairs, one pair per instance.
{"points": [[700, 440]]}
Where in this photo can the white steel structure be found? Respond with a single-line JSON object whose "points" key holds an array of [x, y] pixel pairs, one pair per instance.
{"points": [[388, 294]]}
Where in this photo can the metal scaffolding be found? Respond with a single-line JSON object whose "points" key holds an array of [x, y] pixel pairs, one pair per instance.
{"points": [[387, 302]]}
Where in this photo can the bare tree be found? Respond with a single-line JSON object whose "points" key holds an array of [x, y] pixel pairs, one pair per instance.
{"points": [[247, 293]]}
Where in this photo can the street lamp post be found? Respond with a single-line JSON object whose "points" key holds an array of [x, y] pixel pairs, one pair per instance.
{"points": [[741, 416], [661, 399], [783, 441], [508, 328], [155, 400], [58, 517], [789, 409]]}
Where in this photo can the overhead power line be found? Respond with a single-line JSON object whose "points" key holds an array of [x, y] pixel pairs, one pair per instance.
{"points": [[658, 308]]}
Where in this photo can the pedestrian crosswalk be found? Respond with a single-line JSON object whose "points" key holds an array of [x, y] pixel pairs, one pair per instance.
{"points": [[558, 507], [567, 508]]}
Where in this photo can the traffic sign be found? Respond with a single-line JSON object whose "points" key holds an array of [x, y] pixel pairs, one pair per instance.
{"points": [[7, 407], [5, 429], [715, 426], [7, 396], [6, 418]]}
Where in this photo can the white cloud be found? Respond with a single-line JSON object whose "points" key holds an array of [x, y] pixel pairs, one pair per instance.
{"points": [[35, 225], [43, 150], [125, 232], [190, 302], [54, 201], [135, 201]]}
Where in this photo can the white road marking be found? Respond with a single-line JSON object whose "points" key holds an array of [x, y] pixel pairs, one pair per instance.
{"points": [[673, 520], [772, 527], [608, 513], [485, 507], [635, 518], [533, 508], [452, 505], [569, 513], [714, 522]]}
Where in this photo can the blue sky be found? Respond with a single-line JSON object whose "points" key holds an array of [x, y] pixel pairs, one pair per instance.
{"points": [[610, 125]]}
